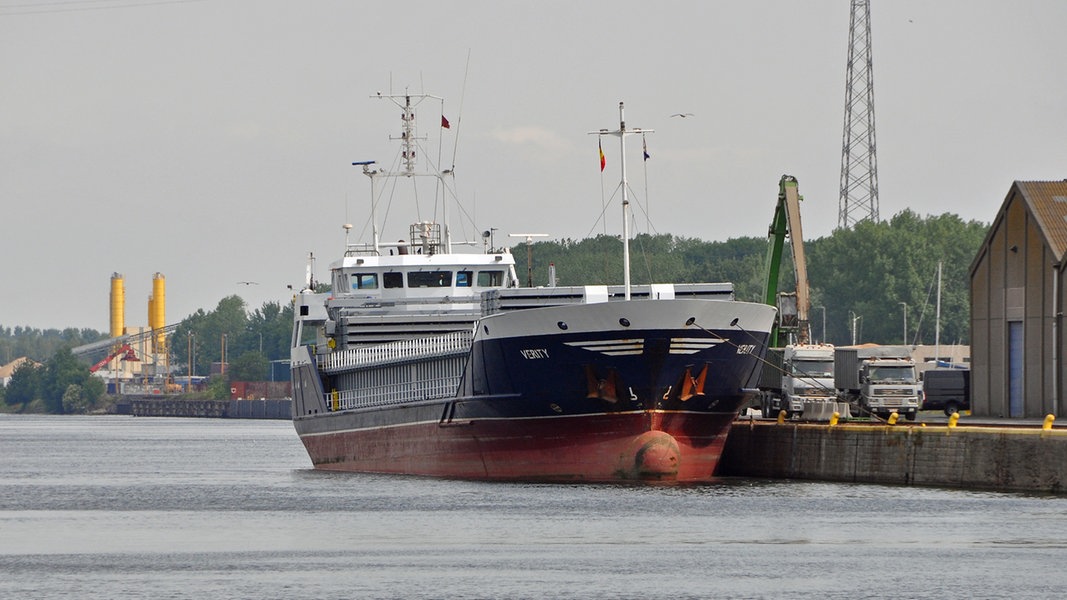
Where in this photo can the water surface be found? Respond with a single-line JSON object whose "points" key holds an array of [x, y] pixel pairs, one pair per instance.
{"points": [[123, 507]]}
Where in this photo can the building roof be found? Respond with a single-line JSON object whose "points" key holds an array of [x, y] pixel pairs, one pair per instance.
{"points": [[1046, 201]]}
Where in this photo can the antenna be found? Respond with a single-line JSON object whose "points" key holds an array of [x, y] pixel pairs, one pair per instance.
{"points": [[859, 164]]}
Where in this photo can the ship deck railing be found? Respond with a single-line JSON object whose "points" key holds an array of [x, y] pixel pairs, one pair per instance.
{"points": [[392, 393], [456, 342]]}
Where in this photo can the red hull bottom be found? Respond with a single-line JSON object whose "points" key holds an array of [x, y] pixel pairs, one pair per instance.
{"points": [[639, 446]]}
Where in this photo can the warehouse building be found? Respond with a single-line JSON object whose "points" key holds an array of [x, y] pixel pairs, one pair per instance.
{"points": [[1017, 305]]}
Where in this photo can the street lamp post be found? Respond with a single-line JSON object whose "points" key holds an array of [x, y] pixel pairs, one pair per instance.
{"points": [[855, 320], [905, 305], [823, 308], [189, 379]]}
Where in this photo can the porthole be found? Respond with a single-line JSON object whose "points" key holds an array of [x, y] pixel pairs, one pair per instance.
{"points": [[562, 325], [624, 322]]}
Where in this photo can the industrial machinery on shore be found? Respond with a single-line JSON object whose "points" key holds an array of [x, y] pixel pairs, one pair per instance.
{"points": [[797, 375]]}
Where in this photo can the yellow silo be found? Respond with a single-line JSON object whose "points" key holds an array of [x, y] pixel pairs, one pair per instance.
{"points": [[118, 306], [157, 310]]}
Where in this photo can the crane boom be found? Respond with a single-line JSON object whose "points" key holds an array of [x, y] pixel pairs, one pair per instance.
{"points": [[124, 351], [793, 320]]}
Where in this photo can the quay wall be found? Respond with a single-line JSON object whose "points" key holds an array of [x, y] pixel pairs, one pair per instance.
{"points": [[996, 458], [155, 406]]}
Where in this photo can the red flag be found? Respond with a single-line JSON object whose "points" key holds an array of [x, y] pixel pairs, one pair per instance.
{"points": [[602, 161], [444, 122]]}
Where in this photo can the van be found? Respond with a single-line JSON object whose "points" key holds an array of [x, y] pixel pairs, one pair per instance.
{"points": [[947, 389]]}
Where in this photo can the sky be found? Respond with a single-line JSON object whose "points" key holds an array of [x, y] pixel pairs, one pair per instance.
{"points": [[212, 140]]}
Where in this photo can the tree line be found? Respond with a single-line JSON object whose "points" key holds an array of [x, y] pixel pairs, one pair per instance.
{"points": [[862, 280]]}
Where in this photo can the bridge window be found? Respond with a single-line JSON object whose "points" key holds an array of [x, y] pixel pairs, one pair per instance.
{"points": [[393, 280], [365, 281], [430, 279], [464, 278], [490, 278]]}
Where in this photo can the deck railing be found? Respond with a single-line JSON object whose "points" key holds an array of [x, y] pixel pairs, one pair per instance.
{"points": [[393, 393], [456, 342], [397, 372]]}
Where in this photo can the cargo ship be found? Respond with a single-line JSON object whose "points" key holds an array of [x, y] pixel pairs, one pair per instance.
{"points": [[424, 360]]}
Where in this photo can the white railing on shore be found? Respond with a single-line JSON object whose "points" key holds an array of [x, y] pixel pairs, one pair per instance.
{"points": [[403, 350]]}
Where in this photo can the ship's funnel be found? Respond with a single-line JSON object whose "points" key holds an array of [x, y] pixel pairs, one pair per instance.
{"points": [[157, 313], [118, 305]]}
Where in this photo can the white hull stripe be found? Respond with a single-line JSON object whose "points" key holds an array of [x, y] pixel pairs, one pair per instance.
{"points": [[636, 346], [691, 345], [611, 347]]}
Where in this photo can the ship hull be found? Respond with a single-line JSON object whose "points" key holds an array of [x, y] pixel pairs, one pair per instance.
{"points": [[607, 392], [653, 445]]}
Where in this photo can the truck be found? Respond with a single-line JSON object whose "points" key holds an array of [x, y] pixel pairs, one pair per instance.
{"points": [[948, 390], [796, 377], [877, 380]]}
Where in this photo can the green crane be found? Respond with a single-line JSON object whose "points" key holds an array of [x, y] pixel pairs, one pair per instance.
{"points": [[792, 325]]}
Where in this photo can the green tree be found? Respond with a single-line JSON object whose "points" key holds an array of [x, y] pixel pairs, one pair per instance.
{"points": [[867, 272], [203, 335], [268, 331], [218, 388], [62, 372], [25, 385], [75, 400], [249, 366]]}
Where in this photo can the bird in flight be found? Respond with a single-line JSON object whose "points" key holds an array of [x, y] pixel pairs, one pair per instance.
{"points": [[683, 115], [247, 283]]}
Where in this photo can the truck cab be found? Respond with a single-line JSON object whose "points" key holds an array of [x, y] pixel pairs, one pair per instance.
{"points": [[890, 385], [806, 376]]}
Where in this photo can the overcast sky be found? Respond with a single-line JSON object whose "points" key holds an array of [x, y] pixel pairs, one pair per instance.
{"points": [[212, 140]]}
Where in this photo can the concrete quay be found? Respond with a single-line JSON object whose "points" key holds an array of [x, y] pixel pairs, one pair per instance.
{"points": [[1026, 457], [176, 406]]}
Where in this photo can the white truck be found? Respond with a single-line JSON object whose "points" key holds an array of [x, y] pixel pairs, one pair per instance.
{"points": [[796, 378], [877, 380]]}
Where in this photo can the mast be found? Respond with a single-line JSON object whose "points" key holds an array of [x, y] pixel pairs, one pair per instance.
{"points": [[409, 149], [621, 133], [937, 321]]}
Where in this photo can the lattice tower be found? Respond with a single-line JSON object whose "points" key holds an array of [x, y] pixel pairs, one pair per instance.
{"points": [[859, 162]]}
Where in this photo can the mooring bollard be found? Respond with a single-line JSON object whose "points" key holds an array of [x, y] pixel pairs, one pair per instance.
{"points": [[1047, 425], [781, 417], [952, 419], [834, 417], [893, 418]]}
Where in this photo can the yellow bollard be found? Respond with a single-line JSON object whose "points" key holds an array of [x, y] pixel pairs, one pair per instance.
{"points": [[1047, 425], [781, 417], [834, 417], [893, 418], [952, 419]]}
